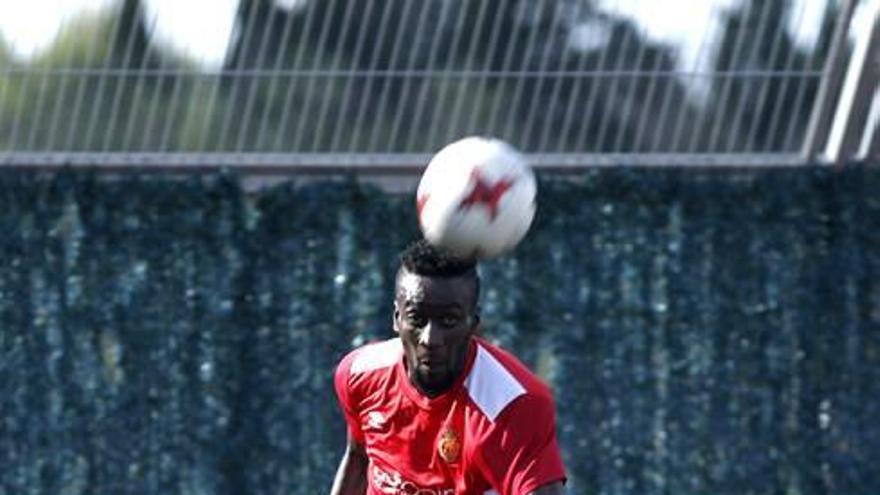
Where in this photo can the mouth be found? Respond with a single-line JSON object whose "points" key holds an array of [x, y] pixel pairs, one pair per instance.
{"points": [[432, 364]]}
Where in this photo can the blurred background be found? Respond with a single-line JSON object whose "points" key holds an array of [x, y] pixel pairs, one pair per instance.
{"points": [[193, 234], [395, 77]]}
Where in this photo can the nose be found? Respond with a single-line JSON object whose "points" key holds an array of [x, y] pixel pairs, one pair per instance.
{"points": [[430, 336]]}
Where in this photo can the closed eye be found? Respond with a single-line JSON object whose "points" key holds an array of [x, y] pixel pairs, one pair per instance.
{"points": [[415, 320], [450, 320]]}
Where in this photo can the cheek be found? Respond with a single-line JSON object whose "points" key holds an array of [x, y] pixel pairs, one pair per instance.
{"points": [[407, 337], [459, 339], [410, 346]]}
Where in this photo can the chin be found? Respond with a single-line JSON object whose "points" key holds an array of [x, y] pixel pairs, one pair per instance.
{"points": [[436, 383]]}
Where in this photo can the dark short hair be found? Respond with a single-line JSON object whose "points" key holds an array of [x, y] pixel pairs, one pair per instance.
{"points": [[427, 260], [423, 258]]}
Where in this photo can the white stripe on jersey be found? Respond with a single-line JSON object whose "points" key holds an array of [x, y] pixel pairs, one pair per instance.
{"points": [[375, 356], [490, 385]]}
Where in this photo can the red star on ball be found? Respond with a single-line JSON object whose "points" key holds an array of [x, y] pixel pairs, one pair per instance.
{"points": [[485, 192]]}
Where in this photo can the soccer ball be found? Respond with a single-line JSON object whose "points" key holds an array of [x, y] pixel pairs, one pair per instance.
{"points": [[476, 198]]}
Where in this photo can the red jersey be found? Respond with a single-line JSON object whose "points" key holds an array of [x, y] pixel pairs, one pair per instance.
{"points": [[492, 432]]}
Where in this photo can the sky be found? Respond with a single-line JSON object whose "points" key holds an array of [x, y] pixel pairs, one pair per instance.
{"points": [[201, 28]]}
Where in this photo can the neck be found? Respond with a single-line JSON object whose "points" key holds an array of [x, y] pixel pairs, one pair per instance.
{"points": [[432, 390]]}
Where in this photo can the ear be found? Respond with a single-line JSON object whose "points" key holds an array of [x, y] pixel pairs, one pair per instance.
{"points": [[476, 320], [475, 324]]}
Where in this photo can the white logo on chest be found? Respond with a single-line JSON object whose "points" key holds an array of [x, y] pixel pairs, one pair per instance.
{"points": [[375, 421]]}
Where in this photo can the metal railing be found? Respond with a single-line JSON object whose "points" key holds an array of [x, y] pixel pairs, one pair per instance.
{"points": [[311, 85]]}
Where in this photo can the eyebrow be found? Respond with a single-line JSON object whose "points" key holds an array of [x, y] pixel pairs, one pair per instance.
{"points": [[437, 306]]}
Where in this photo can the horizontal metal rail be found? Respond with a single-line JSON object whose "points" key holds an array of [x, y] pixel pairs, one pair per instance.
{"points": [[369, 163], [423, 73]]}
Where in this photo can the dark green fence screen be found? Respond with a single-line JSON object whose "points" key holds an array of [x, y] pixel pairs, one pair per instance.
{"points": [[705, 332]]}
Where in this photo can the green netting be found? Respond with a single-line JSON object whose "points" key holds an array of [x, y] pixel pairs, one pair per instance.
{"points": [[705, 332]]}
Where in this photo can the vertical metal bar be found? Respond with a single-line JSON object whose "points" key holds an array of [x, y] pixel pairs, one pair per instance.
{"points": [[780, 96], [714, 110], [412, 65], [642, 142], [360, 44], [721, 117], [232, 104], [91, 59], [590, 98], [210, 110], [7, 72], [376, 55], [660, 126], [676, 139], [434, 136], [630, 102], [122, 88], [150, 135], [177, 82], [5, 82], [304, 116], [612, 99], [269, 106], [432, 83], [295, 70], [544, 141], [102, 79], [19, 111], [256, 83], [142, 141], [60, 101], [330, 87], [645, 115], [855, 95], [778, 36], [36, 115], [869, 148], [799, 104], [835, 66], [190, 110], [141, 82], [526, 74], [383, 99], [546, 56], [498, 89]]}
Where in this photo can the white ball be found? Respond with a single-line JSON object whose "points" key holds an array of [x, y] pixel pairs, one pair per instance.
{"points": [[476, 198]]}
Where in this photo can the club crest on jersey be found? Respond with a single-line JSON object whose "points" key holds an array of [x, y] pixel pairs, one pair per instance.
{"points": [[449, 446]]}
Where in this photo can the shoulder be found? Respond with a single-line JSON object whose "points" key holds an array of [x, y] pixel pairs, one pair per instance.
{"points": [[373, 356], [368, 363], [499, 382]]}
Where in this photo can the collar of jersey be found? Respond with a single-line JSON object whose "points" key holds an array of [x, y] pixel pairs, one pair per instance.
{"points": [[443, 399]]}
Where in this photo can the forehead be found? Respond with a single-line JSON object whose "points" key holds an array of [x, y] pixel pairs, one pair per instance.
{"points": [[413, 289]]}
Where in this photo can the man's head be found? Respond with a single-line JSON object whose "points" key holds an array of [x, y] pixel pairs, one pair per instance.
{"points": [[435, 314]]}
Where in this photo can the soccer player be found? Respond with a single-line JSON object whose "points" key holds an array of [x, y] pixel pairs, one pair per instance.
{"points": [[438, 410]]}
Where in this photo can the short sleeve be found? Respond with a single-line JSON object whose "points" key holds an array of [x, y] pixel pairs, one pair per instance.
{"points": [[347, 403], [521, 453]]}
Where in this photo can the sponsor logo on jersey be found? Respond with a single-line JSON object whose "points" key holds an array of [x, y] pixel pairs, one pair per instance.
{"points": [[395, 484]]}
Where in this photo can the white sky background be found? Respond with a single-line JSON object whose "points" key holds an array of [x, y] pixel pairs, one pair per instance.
{"points": [[198, 28], [201, 28]]}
